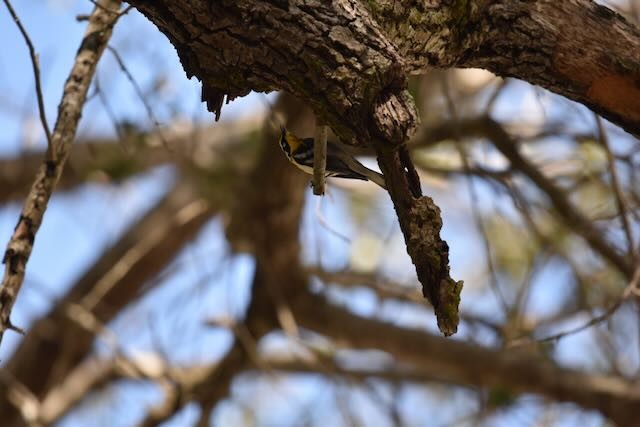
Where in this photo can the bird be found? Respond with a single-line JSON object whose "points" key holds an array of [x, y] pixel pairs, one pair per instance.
{"points": [[340, 164]]}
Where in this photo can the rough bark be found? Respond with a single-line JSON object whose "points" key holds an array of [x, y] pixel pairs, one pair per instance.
{"points": [[420, 222], [575, 48], [339, 55]]}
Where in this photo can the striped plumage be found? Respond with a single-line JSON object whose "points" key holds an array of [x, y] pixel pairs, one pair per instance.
{"points": [[340, 164]]}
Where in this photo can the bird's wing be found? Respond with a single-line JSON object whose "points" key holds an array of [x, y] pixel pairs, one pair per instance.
{"points": [[304, 153]]}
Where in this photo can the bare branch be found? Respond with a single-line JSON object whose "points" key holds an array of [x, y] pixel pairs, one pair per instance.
{"points": [[458, 362], [140, 94], [116, 279], [21, 243], [420, 222], [621, 200], [631, 291], [36, 73]]}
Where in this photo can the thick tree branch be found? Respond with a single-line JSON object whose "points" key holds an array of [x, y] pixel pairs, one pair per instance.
{"points": [[576, 48], [75, 91]]}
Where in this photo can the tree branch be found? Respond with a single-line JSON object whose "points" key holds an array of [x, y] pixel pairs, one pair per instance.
{"points": [[575, 48], [118, 277], [571, 216], [75, 91], [458, 362], [420, 222], [35, 63]]}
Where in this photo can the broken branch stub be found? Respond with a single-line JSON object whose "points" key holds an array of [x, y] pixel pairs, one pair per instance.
{"points": [[395, 120], [419, 217]]}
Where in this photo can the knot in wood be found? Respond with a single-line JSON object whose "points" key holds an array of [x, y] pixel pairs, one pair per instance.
{"points": [[395, 117]]}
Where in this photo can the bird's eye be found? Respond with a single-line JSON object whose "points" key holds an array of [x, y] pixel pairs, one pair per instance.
{"points": [[284, 145]]}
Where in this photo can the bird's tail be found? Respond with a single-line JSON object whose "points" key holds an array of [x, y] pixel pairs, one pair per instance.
{"points": [[376, 177], [352, 164], [371, 175]]}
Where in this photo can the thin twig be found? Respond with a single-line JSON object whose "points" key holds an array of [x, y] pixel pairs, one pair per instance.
{"points": [[473, 196], [630, 291], [36, 73], [621, 200], [74, 96], [107, 108], [319, 159], [141, 95], [324, 223], [564, 208]]}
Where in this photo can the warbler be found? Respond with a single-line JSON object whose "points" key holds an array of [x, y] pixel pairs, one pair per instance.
{"points": [[340, 164]]}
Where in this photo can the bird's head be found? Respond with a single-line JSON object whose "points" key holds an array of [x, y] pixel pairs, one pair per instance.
{"points": [[288, 141]]}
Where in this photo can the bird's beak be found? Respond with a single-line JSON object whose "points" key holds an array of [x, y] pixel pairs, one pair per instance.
{"points": [[283, 130]]}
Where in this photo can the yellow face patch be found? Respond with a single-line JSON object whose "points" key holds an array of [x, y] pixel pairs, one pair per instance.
{"points": [[293, 142]]}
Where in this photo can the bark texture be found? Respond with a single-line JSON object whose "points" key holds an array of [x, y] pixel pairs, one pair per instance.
{"points": [[340, 55], [575, 48]]}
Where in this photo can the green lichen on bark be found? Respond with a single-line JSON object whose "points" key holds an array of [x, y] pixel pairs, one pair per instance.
{"points": [[447, 313], [424, 32], [461, 12], [430, 255]]}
